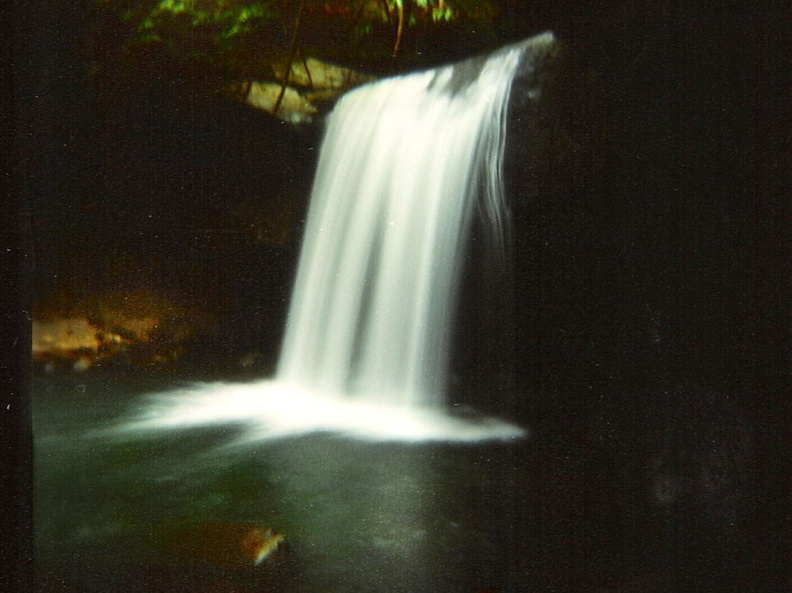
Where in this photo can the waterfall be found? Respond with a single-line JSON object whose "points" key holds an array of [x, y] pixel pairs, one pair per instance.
{"points": [[404, 165]]}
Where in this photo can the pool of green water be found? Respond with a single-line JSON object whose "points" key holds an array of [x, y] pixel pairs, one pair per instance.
{"points": [[357, 516]]}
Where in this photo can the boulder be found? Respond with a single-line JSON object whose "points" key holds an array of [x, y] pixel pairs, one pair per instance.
{"points": [[298, 95]]}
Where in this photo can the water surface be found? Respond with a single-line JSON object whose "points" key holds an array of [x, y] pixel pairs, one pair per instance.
{"points": [[358, 514]]}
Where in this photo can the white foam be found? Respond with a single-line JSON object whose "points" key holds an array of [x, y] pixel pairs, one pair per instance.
{"points": [[272, 410]]}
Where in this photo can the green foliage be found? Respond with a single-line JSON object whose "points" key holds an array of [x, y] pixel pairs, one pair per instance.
{"points": [[213, 22], [246, 35], [224, 18], [435, 11]]}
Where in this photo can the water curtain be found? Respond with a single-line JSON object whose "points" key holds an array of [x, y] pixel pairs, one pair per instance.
{"points": [[404, 165]]}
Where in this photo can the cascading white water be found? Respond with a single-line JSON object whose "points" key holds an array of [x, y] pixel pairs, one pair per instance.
{"points": [[404, 165]]}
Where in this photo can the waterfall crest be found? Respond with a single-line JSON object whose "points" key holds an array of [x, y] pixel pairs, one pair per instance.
{"points": [[404, 164]]}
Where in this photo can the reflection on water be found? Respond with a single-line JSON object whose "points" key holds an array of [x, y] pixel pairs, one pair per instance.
{"points": [[358, 515]]}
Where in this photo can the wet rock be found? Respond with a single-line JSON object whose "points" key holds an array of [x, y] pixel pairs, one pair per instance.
{"points": [[309, 86], [133, 328]]}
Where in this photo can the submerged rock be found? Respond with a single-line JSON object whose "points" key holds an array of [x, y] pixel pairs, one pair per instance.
{"points": [[224, 545], [216, 557]]}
